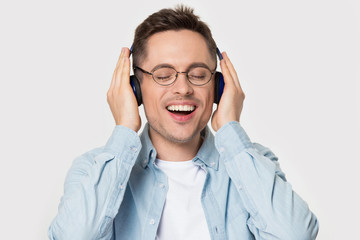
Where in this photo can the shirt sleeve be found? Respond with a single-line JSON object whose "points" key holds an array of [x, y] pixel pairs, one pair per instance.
{"points": [[94, 189], [276, 211]]}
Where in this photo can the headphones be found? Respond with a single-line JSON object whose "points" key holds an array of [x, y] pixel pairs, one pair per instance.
{"points": [[219, 83]]}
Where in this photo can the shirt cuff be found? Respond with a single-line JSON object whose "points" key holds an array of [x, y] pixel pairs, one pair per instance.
{"points": [[122, 139], [231, 139]]}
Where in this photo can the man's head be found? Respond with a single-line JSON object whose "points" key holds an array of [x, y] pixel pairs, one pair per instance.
{"points": [[179, 40]]}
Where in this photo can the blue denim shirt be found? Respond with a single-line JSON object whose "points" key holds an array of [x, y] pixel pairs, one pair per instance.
{"points": [[117, 191]]}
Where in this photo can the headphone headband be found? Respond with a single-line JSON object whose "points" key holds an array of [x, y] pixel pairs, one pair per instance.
{"points": [[218, 53]]}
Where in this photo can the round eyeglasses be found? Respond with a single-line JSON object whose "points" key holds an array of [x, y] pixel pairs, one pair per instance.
{"points": [[167, 75]]}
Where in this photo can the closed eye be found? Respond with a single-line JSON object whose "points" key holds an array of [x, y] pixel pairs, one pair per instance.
{"points": [[163, 78], [197, 76]]}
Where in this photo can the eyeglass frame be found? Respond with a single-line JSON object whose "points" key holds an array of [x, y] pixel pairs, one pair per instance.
{"points": [[176, 76]]}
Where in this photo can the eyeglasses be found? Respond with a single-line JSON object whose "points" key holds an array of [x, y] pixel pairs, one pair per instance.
{"points": [[167, 75]]}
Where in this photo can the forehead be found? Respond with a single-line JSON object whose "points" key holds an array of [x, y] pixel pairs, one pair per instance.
{"points": [[178, 48]]}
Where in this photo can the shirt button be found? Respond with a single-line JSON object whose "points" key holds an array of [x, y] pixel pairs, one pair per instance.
{"points": [[222, 149], [212, 163], [240, 187], [152, 154], [121, 186], [152, 222], [145, 161], [134, 149], [161, 185]]}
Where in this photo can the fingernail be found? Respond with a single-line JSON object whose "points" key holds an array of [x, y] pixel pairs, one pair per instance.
{"points": [[122, 50]]}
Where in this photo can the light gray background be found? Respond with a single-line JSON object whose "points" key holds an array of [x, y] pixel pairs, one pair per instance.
{"points": [[298, 63]]}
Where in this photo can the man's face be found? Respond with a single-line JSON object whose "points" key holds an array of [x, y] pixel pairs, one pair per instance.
{"points": [[179, 49]]}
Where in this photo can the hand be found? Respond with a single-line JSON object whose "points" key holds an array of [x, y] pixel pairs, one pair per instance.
{"points": [[120, 95], [231, 102]]}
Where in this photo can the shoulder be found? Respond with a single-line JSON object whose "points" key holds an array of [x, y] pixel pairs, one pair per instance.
{"points": [[265, 151]]}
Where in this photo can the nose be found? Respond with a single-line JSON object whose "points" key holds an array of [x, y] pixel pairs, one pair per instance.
{"points": [[182, 86]]}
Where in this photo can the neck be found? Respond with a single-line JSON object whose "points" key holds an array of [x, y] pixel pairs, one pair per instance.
{"points": [[175, 151]]}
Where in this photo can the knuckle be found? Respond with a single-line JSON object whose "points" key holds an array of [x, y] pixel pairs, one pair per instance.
{"points": [[109, 95]]}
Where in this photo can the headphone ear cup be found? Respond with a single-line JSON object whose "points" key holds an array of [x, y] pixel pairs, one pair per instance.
{"points": [[219, 86], [135, 84]]}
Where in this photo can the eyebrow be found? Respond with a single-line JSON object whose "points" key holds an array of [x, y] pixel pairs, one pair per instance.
{"points": [[195, 64]]}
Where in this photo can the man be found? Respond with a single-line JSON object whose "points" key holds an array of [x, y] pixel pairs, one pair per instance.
{"points": [[177, 180]]}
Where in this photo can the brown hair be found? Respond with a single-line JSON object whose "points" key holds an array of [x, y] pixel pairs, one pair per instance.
{"points": [[180, 18]]}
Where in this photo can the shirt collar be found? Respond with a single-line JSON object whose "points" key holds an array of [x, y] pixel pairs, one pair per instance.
{"points": [[207, 154], [148, 152]]}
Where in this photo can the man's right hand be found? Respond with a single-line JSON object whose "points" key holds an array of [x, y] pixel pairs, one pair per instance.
{"points": [[120, 95]]}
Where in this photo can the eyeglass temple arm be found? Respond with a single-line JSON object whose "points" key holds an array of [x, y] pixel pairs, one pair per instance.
{"points": [[135, 67]]}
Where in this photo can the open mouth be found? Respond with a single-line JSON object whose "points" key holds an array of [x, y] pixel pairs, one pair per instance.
{"points": [[181, 109]]}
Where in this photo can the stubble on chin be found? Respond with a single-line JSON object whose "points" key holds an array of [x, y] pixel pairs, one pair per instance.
{"points": [[168, 136]]}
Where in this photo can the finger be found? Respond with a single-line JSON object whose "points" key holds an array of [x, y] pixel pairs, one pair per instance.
{"points": [[125, 73], [229, 64], [112, 84], [231, 69], [119, 69], [120, 57], [113, 80], [226, 73]]}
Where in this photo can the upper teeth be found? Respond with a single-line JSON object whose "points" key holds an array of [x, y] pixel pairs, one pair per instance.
{"points": [[181, 108]]}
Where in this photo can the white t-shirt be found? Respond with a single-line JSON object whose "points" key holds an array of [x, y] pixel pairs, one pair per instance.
{"points": [[183, 216]]}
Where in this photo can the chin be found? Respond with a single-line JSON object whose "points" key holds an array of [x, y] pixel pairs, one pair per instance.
{"points": [[175, 136], [181, 139]]}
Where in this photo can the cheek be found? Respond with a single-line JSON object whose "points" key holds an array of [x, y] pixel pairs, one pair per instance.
{"points": [[151, 96], [208, 101], [211, 94]]}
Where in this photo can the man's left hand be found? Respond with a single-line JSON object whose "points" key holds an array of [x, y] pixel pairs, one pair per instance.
{"points": [[231, 102]]}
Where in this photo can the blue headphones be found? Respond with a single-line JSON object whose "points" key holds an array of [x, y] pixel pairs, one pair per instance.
{"points": [[219, 83]]}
